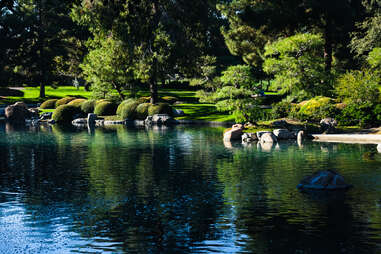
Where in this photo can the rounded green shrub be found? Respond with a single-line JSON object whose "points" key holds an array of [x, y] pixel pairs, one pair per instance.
{"points": [[142, 111], [128, 110], [49, 104], [88, 106], [160, 108], [317, 108], [65, 113], [105, 108], [64, 101], [121, 105], [77, 102]]}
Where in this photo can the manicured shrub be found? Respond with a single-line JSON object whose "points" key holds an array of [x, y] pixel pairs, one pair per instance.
{"points": [[49, 104], [105, 108], [65, 113], [142, 111], [169, 99], [317, 108], [77, 102], [64, 101], [160, 108], [128, 110], [88, 106], [121, 105], [281, 109]]}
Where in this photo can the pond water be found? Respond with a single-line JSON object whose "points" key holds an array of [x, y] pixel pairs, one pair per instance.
{"points": [[180, 190]]}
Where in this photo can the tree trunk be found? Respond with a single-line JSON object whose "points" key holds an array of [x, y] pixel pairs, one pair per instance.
{"points": [[117, 88], [328, 45], [41, 40], [153, 91]]}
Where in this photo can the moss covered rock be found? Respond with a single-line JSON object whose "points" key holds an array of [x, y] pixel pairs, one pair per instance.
{"points": [[49, 104], [65, 114], [64, 101], [105, 108]]}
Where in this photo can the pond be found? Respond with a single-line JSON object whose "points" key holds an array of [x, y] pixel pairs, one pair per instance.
{"points": [[180, 190]]}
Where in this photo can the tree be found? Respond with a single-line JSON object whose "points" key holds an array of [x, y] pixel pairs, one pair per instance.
{"points": [[297, 64], [163, 37]]}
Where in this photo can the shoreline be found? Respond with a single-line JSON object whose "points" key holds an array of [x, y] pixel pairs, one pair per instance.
{"points": [[348, 138]]}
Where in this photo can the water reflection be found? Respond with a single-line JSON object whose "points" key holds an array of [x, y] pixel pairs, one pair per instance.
{"points": [[180, 190]]}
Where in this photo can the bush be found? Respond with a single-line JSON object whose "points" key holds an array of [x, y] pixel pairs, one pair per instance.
{"points": [[128, 110], [169, 99], [88, 106], [317, 108], [65, 113], [49, 104], [105, 108], [142, 111], [281, 109], [64, 101], [121, 105], [77, 102], [364, 115], [160, 108]]}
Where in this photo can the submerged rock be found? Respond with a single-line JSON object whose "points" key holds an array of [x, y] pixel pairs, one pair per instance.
{"points": [[283, 134], [324, 180], [268, 137]]}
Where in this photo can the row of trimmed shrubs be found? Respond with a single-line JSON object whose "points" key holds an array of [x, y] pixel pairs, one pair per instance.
{"points": [[128, 109]]}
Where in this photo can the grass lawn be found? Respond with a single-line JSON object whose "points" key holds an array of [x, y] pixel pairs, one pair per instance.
{"points": [[190, 105], [31, 94]]}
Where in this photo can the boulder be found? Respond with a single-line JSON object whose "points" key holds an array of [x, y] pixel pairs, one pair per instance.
{"points": [[79, 121], [379, 148], [162, 119], [268, 137], [327, 125], [324, 180], [234, 133], [34, 112], [148, 121], [280, 123], [283, 134], [260, 133], [17, 112], [249, 137], [91, 118], [177, 112], [46, 116]]}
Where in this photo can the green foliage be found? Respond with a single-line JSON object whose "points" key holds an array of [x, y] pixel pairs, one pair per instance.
{"points": [[358, 87], [238, 76], [121, 105], [128, 110], [65, 113], [297, 64], [160, 108], [142, 111], [77, 102], [364, 115], [208, 75], [64, 101], [105, 108], [49, 104], [88, 106], [317, 108], [374, 58], [281, 109]]}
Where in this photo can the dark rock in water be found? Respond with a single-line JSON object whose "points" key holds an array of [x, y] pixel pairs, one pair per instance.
{"points": [[17, 112], [324, 180], [328, 125]]}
